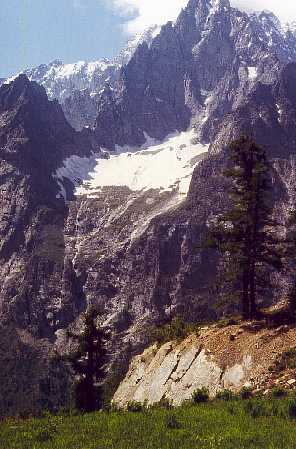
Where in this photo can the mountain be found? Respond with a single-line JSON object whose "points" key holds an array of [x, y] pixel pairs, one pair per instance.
{"points": [[114, 217], [35, 138], [77, 86], [194, 72]]}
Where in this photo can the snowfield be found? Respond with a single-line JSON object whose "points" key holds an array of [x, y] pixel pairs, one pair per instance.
{"points": [[166, 166]]}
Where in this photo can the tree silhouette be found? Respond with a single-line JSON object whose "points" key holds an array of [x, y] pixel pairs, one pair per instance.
{"points": [[246, 234], [88, 363]]}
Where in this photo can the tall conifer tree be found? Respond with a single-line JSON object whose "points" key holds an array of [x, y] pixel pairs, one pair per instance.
{"points": [[247, 232], [290, 259]]}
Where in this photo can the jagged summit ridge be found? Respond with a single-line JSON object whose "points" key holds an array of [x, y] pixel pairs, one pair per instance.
{"points": [[77, 85], [194, 72]]}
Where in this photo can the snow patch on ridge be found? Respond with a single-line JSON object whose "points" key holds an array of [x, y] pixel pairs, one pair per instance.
{"points": [[252, 71], [166, 166]]}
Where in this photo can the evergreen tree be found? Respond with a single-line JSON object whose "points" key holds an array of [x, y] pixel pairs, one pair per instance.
{"points": [[88, 363], [245, 235], [290, 259]]}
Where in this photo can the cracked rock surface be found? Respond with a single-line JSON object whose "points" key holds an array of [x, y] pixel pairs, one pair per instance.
{"points": [[211, 359]]}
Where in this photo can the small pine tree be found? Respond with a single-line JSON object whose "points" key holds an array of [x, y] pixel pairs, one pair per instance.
{"points": [[290, 259], [245, 235], [88, 363]]}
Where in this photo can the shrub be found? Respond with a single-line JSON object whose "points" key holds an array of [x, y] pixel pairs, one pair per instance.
{"points": [[111, 407], [135, 407], [172, 422], [246, 393], [225, 395], [286, 361], [177, 329], [292, 408], [200, 395], [278, 393]]}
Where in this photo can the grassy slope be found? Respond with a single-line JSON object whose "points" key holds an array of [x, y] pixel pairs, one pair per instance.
{"points": [[217, 425]]}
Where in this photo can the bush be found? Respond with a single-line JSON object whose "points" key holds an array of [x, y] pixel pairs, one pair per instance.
{"points": [[279, 393], [200, 395], [177, 329], [172, 422], [292, 409], [225, 395], [286, 361], [246, 393], [135, 407], [225, 322]]}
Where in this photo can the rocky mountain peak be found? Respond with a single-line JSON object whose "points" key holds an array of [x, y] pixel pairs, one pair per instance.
{"points": [[19, 91], [203, 8], [147, 36], [77, 86], [35, 129], [269, 17], [210, 58]]}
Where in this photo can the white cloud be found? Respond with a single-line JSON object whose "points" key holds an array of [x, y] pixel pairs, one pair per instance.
{"points": [[139, 14], [284, 9], [142, 13]]}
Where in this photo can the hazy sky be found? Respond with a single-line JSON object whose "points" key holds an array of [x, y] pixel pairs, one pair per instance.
{"points": [[38, 31], [33, 32], [154, 11]]}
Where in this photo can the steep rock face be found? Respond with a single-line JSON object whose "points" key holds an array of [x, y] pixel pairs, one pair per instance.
{"points": [[34, 139], [179, 278], [32, 376], [80, 108], [195, 70], [269, 111]]}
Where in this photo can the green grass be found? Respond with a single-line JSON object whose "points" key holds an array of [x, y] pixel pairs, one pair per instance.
{"points": [[250, 424]]}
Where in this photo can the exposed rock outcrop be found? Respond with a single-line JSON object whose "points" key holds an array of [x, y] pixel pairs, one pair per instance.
{"points": [[218, 359]]}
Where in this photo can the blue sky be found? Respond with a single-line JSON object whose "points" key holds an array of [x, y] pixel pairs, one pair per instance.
{"points": [[38, 31], [33, 32]]}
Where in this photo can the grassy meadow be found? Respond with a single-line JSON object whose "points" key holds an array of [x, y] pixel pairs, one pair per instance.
{"points": [[234, 424]]}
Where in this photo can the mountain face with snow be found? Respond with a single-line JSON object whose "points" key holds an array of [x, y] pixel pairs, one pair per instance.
{"points": [[77, 86], [113, 217], [194, 72]]}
